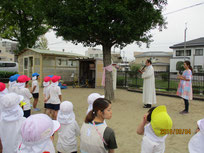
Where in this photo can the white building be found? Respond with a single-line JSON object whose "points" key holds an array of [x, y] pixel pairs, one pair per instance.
{"points": [[193, 52], [94, 53]]}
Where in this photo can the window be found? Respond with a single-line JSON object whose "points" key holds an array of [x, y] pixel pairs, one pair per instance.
{"points": [[7, 64], [96, 55], [91, 55], [188, 52], [179, 52], [199, 52]]}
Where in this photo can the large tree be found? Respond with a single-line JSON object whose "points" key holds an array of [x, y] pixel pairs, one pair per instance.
{"points": [[105, 22], [21, 21]]}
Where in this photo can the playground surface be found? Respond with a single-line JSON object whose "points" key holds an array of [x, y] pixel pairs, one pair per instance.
{"points": [[128, 112]]}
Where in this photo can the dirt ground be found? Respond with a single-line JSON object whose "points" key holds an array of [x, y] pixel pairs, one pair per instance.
{"points": [[128, 113]]}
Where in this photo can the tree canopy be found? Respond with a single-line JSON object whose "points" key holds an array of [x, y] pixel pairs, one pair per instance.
{"points": [[104, 22], [21, 21]]}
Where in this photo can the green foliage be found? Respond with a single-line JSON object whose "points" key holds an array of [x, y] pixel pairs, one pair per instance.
{"points": [[105, 22], [180, 66], [22, 21], [134, 68], [5, 74], [120, 80]]}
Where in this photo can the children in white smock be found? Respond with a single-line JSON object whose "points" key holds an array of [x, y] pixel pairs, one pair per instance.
{"points": [[46, 93], [35, 90], [11, 122], [25, 92], [153, 122], [37, 132], [196, 143], [67, 135]]}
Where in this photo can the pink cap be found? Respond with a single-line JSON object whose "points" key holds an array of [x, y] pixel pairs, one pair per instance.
{"points": [[38, 127], [2, 86], [55, 78], [47, 79], [23, 78]]}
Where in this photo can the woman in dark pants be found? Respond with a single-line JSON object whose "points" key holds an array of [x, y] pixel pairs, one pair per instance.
{"points": [[185, 86]]}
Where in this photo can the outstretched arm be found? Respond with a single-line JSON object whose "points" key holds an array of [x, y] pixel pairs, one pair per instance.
{"points": [[140, 128]]}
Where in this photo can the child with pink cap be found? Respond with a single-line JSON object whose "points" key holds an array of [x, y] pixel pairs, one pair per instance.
{"points": [[46, 91], [55, 96], [69, 130], [3, 89], [37, 132], [11, 122], [25, 92]]}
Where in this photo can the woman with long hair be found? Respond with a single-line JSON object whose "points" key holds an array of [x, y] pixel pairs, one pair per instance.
{"points": [[96, 137], [185, 86]]}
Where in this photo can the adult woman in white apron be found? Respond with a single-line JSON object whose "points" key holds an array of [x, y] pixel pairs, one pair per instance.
{"points": [[96, 137]]}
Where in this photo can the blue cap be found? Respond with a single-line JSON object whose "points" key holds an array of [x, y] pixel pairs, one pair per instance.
{"points": [[51, 76], [16, 76], [12, 78], [35, 74]]}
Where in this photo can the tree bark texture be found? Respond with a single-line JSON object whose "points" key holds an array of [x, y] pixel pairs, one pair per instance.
{"points": [[108, 89]]}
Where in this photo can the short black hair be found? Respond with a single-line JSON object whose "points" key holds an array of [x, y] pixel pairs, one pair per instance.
{"points": [[150, 113], [149, 61]]}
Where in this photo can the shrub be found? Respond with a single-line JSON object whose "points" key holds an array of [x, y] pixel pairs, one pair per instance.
{"points": [[5, 74]]}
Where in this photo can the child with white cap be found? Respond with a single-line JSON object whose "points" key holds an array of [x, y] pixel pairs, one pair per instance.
{"points": [[196, 143], [24, 91], [55, 96], [35, 90], [91, 98], [67, 142], [153, 122], [37, 132], [46, 92], [11, 122]]}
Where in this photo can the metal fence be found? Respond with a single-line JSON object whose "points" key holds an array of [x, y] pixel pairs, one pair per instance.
{"points": [[164, 81]]}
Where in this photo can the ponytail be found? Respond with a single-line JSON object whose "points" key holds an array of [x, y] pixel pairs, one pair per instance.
{"points": [[90, 117], [99, 104]]}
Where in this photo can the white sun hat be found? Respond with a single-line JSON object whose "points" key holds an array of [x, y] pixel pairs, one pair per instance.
{"points": [[195, 144], [91, 98], [36, 132], [66, 114]]}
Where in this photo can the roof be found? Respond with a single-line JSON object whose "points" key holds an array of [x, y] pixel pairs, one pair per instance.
{"points": [[154, 54], [199, 42], [51, 52]]}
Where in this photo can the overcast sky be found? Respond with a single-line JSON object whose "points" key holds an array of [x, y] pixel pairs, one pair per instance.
{"points": [[174, 33]]}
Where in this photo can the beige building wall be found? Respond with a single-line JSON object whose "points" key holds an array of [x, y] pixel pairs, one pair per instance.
{"points": [[99, 73], [141, 60], [159, 68], [5, 56]]}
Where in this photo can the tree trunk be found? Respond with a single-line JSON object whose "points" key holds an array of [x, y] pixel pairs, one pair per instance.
{"points": [[108, 89]]}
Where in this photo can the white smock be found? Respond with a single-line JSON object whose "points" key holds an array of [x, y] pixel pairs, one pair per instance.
{"points": [[149, 94], [196, 143], [152, 143]]}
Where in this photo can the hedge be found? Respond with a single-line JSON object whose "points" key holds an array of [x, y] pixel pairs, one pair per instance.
{"points": [[5, 74]]}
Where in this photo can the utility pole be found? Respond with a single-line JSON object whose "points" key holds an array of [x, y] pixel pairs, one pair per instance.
{"points": [[185, 41]]}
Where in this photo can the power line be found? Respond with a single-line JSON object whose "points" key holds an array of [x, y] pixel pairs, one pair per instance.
{"points": [[184, 8]]}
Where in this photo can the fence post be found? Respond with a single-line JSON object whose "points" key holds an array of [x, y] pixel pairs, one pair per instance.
{"points": [[168, 81], [125, 78]]}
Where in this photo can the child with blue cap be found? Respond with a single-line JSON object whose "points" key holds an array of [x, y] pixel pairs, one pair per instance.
{"points": [[13, 84], [35, 90]]}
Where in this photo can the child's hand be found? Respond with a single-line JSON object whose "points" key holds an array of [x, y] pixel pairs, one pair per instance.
{"points": [[145, 119], [45, 100]]}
